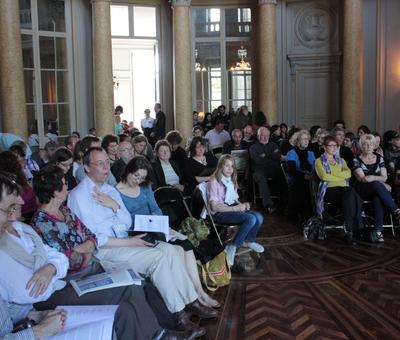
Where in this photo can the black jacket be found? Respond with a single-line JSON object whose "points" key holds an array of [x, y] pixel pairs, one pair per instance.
{"points": [[117, 169], [158, 173]]}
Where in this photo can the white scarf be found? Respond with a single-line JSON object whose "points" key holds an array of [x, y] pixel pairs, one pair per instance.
{"points": [[230, 192]]}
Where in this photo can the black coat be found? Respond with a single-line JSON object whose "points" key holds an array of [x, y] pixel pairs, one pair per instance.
{"points": [[117, 169], [158, 173]]}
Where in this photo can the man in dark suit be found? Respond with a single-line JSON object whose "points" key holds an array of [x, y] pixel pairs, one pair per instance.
{"points": [[159, 124]]}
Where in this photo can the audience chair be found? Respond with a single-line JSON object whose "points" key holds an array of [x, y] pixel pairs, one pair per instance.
{"points": [[227, 229], [369, 220]]}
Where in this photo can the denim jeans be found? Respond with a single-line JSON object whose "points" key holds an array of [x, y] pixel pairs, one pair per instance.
{"points": [[250, 222]]}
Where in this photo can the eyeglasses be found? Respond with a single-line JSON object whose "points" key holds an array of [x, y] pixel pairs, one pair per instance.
{"points": [[11, 210], [101, 164], [332, 146]]}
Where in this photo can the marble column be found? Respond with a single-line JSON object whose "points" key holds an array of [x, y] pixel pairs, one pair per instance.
{"points": [[102, 68], [352, 111], [182, 67], [267, 62], [12, 88]]}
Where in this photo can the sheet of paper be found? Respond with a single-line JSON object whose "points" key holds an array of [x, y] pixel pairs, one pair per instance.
{"points": [[153, 223], [87, 322]]}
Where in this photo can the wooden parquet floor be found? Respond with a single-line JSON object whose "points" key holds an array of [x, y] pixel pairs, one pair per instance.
{"points": [[312, 289]]}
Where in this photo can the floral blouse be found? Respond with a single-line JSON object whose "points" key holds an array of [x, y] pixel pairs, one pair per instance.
{"points": [[63, 235]]}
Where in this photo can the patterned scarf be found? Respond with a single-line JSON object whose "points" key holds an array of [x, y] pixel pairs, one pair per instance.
{"points": [[323, 185]]}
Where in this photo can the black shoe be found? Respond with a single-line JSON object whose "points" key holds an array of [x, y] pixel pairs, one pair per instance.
{"points": [[203, 312], [349, 238], [181, 335], [185, 325]]}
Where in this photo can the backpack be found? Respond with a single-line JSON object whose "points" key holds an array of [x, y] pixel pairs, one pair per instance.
{"points": [[314, 229]]}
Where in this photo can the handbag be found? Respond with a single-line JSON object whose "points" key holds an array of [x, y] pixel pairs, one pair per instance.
{"points": [[195, 230], [314, 229], [216, 273]]}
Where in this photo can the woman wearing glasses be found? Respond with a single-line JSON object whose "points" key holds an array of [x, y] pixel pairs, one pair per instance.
{"points": [[334, 187], [138, 198]]}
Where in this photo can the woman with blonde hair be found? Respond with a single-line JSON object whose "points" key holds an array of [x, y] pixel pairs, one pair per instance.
{"points": [[371, 175], [226, 208]]}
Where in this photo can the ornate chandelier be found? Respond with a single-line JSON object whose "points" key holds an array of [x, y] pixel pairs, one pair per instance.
{"points": [[241, 65], [197, 65]]}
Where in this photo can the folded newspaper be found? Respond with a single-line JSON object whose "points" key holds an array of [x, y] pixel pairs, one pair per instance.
{"points": [[109, 279]]}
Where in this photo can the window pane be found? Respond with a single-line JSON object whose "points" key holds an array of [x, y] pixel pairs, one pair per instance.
{"points": [[238, 22], [49, 115], [49, 94], [144, 20], [62, 86], [53, 53], [27, 50], [207, 22], [208, 75], [64, 124], [119, 20], [51, 15], [25, 17], [29, 81]]}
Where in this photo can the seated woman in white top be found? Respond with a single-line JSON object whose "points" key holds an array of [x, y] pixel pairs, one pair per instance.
{"points": [[32, 274]]}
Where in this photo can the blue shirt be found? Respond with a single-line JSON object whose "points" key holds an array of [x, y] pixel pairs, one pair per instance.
{"points": [[144, 204]]}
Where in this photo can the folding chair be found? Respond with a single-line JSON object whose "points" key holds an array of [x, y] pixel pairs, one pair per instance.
{"points": [[369, 220], [207, 216]]}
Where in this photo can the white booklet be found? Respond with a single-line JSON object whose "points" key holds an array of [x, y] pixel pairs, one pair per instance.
{"points": [[87, 322], [153, 223], [109, 279]]}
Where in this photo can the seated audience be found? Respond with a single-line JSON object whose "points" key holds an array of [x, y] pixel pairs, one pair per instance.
{"points": [[110, 145], [318, 147], [300, 165], [178, 154], [100, 207], [33, 273], [42, 157], [286, 146], [378, 148], [370, 173], [265, 158], [392, 154], [276, 134], [335, 175], [124, 137], [141, 147], [80, 173], [248, 136], [362, 130], [207, 122], [313, 132], [350, 141], [197, 131], [343, 151], [199, 167], [236, 143], [10, 164], [217, 137], [339, 124], [226, 208], [138, 198], [166, 171], [71, 141], [220, 114], [19, 152], [284, 131], [125, 154], [241, 119], [63, 158]]}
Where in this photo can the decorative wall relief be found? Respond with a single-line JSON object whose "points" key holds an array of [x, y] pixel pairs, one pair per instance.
{"points": [[315, 26]]}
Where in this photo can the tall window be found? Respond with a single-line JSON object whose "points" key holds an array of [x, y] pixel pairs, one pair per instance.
{"points": [[46, 48], [222, 58], [134, 31]]}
